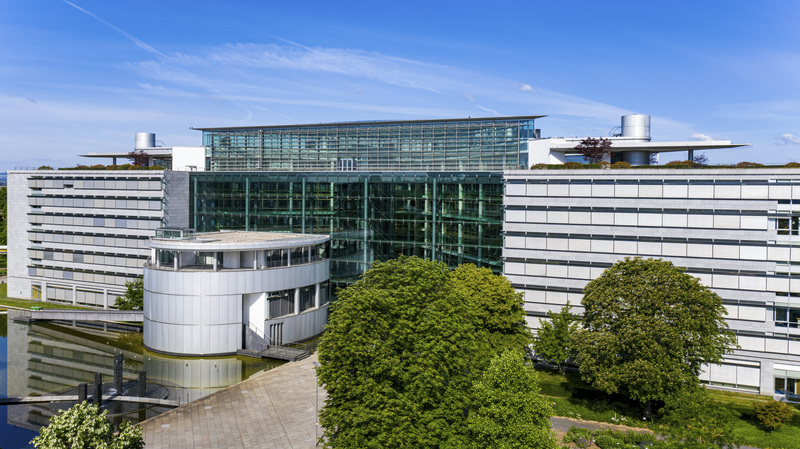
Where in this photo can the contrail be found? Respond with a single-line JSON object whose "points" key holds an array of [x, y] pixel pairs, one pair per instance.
{"points": [[138, 43]]}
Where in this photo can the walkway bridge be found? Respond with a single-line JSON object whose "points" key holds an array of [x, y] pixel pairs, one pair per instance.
{"points": [[135, 316]]}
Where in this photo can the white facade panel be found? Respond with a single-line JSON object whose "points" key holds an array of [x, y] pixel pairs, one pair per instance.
{"points": [[516, 190], [755, 192], [650, 191], [580, 190], [602, 218], [650, 220], [675, 191], [727, 191], [602, 246]]}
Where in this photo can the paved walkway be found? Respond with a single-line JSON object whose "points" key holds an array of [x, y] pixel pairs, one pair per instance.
{"points": [[274, 409]]}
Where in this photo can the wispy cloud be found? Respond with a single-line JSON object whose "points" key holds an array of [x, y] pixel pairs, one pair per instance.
{"points": [[144, 46], [790, 139], [698, 136], [491, 111], [295, 57], [294, 72]]}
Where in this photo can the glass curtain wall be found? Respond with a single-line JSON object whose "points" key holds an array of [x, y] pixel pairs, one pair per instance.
{"points": [[452, 217], [447, 145]]}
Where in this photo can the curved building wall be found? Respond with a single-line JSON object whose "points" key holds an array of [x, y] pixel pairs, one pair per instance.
{"points": [[199, 312]]}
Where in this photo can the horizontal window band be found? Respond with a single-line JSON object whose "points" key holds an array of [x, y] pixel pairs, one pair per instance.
{"points": [[548, 288], [643, 210], [644, 238], [689, 270], [90, 234]]}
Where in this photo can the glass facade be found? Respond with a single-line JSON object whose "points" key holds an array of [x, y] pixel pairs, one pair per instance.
{"points": [[416, 145], [455, 217]]}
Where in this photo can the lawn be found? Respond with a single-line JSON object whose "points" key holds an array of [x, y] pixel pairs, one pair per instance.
{"points": [[573, 398], [5, 301]]}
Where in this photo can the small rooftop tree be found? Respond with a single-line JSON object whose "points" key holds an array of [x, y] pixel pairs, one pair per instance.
{"points": [[138, 157], [594, 150]]}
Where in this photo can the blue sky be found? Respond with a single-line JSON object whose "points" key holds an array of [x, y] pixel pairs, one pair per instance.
{"points": [[86, 75]]}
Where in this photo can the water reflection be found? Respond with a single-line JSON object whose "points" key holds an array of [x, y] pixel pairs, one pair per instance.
{"points": [[47, 358]]}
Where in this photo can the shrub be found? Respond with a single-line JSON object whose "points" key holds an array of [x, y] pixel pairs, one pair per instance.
{"points": [[792, 165], [605, 165], [608, 438], [540, 166], [745, 164], [695, 417], [773, 414], [686, 163], [607, 441], [45, 167], [572, 165], [581, 437], [83, 425], [620, 165]]}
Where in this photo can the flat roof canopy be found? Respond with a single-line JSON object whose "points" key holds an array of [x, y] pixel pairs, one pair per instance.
{"points": [[656, 147], [237, 241], [377, 122]]}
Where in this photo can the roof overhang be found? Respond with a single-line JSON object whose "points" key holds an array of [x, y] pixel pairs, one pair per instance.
{"points": [[149, 151], [655, 147], [377, 123]]}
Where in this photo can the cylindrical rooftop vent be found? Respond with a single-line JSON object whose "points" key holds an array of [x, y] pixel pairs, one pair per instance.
{"points": [[636, 126], [145, 140]]}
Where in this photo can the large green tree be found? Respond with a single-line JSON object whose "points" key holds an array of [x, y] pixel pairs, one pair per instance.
{"points": [[648, 328], [402, 349], [508, 411], [82, 426], [496, 311], [553, 339]]}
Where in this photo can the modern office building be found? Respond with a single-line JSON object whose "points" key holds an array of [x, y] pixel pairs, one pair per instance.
{"points": [[738, 231], [201, 291], [437, 189], [430, 188], [78, 236]]}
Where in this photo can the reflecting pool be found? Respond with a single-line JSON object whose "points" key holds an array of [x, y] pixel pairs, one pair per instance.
{"points": [[47, 358]]}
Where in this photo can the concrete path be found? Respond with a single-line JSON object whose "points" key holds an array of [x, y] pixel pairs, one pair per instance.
{"points": [[560, 424], [274, 409]]}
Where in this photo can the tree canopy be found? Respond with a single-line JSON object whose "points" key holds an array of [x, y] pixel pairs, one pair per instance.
{"points": [[648, 328], [402, 349], [134, 296], [82, 426], [508, 411], [496, 311]]}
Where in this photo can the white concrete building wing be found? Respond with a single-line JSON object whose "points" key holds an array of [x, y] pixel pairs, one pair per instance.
{"points": [[77, 236], [216, 293], [736, 230]]}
